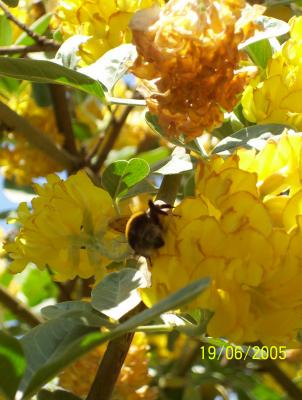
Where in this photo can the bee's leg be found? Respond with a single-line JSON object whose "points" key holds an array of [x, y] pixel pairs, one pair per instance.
{"points": [[149, 262], [176, 215]]}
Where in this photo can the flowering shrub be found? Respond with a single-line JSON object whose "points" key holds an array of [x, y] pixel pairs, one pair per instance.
{"points": [[151, 173]]}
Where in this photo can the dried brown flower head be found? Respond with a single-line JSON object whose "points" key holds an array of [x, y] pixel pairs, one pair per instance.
{"points": [[188, 59]]}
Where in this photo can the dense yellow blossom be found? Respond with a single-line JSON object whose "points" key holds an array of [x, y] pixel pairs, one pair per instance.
{"points": [[188, 60], [132, 383], [106, 22], [275, 95], [228, 233], [18, 158], [67, 229]]}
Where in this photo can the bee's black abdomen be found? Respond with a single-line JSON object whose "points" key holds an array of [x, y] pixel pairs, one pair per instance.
{"points": [[158, 242], [144, 231]]}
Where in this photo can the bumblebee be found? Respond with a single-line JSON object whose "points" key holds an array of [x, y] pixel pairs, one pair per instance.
{"points": [[144, 230]]}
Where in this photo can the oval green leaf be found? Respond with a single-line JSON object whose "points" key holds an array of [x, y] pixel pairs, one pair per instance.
{"points": [[179, 161], [70, 350], [11, 3], [49, 72], [117, 293], [251, 137], [12, 365], [39, 26], [112, 65]]}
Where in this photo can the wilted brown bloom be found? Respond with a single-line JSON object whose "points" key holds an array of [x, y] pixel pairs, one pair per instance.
{"points": [[187, 57]]}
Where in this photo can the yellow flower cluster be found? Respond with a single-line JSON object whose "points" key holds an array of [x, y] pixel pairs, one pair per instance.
{"points": [[243, 229], [275, 97], [67, 229], [105, 21], [188, 60], [133, 382], [18, 158]]}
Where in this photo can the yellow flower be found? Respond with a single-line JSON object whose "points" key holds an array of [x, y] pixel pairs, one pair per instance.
{"points": [[228, 233], [19, 159], [274, 97], [133, 382], [67, 229], [106, 22], [188, 60]]}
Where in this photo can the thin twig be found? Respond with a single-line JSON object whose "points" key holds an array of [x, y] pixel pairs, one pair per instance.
{"points": [[34, 48], [21, 125], [18, 308], [37, 38], [112, 362], [62, 113], [94, 150], [110, 138], [127, 102]]}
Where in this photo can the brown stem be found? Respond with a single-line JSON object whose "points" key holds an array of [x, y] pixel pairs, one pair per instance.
{"points": [[34, 48], [15, 122], [94, 150], [110, 138], [62, 113], [18, 308], [110, 368], [112, 362], [37, 38]]}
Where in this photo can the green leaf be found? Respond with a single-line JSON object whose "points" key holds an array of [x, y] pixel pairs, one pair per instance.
{"points": [[112, 65], [41, 94], [53, 358], [49, 72], [39, 26], [4, 214], [46, 341], [260, 52], [142, 187], [155, 155], [179, 162], [120, 176], [262, 392], [56, 395], [12, 364], [271, 28], [67, 53], [254, 136], [152, 121], [81, 131], [6, 31], [194, 145], [76, 308], [11, 3], [38, 286], [9, 85], [117, 293]]}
